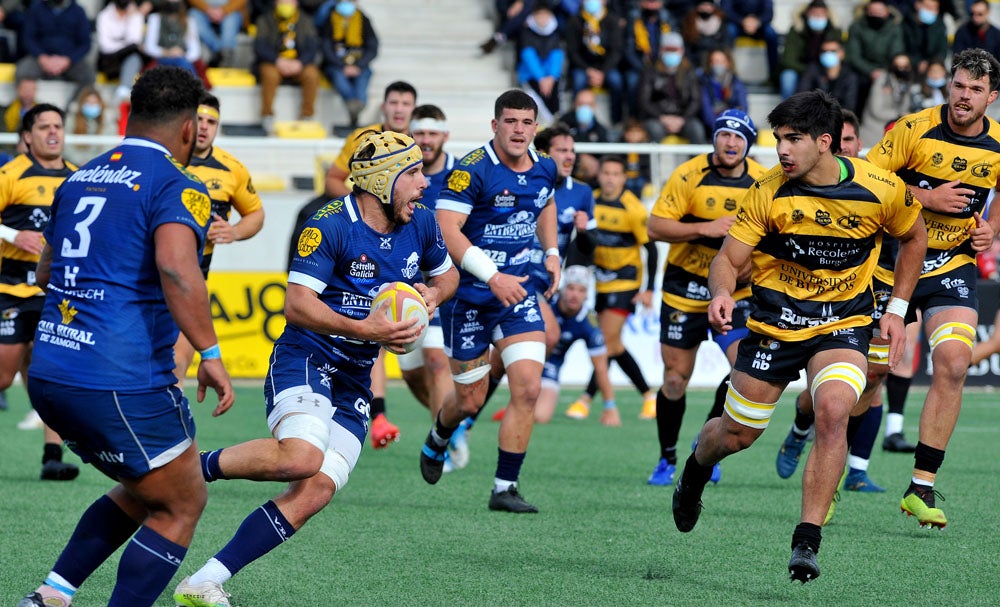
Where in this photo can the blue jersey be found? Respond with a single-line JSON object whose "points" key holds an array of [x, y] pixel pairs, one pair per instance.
{"points": [[436, 181], [503, 208], [582, 325], [343, 259], [571, 196], [105, 324]]}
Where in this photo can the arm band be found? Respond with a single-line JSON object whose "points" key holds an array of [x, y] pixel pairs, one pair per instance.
{"points": [[479, 264], [8, 233], [610, 404], [210, 353], [549, 252], [897, 306]]}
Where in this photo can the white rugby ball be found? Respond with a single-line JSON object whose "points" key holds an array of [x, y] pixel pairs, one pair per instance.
{"points": [[403, 302]]}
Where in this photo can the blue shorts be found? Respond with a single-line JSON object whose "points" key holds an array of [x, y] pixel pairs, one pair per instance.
{"points": [[469, 328], [686, 330], [123, 434], [347, 385]]}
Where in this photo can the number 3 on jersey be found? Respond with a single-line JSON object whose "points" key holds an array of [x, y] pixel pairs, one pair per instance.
{"points": [[96, 204]]}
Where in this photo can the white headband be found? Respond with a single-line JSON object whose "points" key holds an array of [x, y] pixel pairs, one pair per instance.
{"points": [[428, 124]]}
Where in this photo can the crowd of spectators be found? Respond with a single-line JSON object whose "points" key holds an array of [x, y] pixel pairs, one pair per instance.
{"points": [[667, 65]]}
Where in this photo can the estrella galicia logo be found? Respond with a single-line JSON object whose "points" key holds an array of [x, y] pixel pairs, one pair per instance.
{"points": [[849, 222], [362, 267], [823, 218], [959, 164], [981, 170]]}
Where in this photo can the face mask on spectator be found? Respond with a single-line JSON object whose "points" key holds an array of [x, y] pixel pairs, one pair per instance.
{"points": [[592, 7], [345, 9], [719, 70], [584, 115], [902, 73], [817, 24], [91, 110], [829, 59], [926, 17], [671, 58], [937, 83], [285, 11]]}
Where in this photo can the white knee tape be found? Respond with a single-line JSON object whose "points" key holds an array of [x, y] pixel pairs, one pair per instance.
{"points": [[878, 354], [747, 412], [550, 384], [336, 467], [411, 360], [850, 374], [306, 427], [523, 350], [471, 377], [946, 332]]}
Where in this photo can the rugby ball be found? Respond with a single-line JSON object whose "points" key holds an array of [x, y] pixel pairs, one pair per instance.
{"points": [[403, 302]]}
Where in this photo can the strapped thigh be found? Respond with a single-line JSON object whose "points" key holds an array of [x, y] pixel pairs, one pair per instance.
{"points": [[947, 332], [746, 412], [850, 374]]}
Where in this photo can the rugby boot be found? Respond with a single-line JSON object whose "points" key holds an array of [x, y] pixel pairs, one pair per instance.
{"points": [[803, 567], [205, 594], [383, 432], [919, 501], [510, 501], [789, 454]]}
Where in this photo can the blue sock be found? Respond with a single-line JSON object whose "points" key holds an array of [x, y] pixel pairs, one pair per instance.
{"points": [[262, 531], [210, 466], [102, 529], [509, 465], [145, 569], [864, 439]]}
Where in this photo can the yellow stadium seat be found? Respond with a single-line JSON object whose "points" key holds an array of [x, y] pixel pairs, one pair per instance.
{"points": [[230, 76], [748, 42], [675, 140], [299, 129], [765, 138], [7, 72], [269, 183]]}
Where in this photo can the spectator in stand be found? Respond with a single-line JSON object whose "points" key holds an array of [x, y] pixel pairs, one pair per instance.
{"points": [[120, 28], [172, 39], [218, 22], [648, 23], [540, 59], [638, 168], [583, 122], [88, 119], [924, 35], [349, 46], [873, 39], [56, 39], [978, 32], [704, 29], [830, 75], [934, 89], [891, 96], [12, 13], [721, 88], [286, 50], [595, 42], [752, 18], [669, 95], [24, 100], [813, 25]]}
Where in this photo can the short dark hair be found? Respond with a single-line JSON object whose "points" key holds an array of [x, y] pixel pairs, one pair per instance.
{"points": [[814, 113], [514, 99], [31, 116], [210, 100], [543, 140], [399, 86], [978, 63], [852, 119], [165, 93], [614, 158], [427, 111]]}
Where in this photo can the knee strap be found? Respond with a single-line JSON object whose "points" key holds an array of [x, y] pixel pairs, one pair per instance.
{"points": [[471, 377], [947, 332], [850, 374], [746, 412], [306, 427]]}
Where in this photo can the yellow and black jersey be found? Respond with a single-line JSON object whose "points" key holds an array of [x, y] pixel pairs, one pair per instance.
{"points": [[696, 193], [343, 160], [618, 240], [925, 152], [816, 247], [229, 185], [26, 192]]}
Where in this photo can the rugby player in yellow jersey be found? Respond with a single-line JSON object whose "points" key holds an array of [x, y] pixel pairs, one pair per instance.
{"points": [[809, 228], [949, 156], [693, 213], [230, 187], [27, 186]]}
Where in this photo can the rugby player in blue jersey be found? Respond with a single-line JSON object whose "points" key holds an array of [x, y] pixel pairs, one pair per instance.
{"points": [[121, 271], [318, 387]]}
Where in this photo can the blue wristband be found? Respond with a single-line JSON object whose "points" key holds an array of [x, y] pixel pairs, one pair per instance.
{"points": [[211, 353], [610, 404]]}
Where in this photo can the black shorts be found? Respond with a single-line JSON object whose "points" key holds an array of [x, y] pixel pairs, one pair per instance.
{"points": [[686, 330], [618, 300], [19, 318], [956, 288], [780, 362]]}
